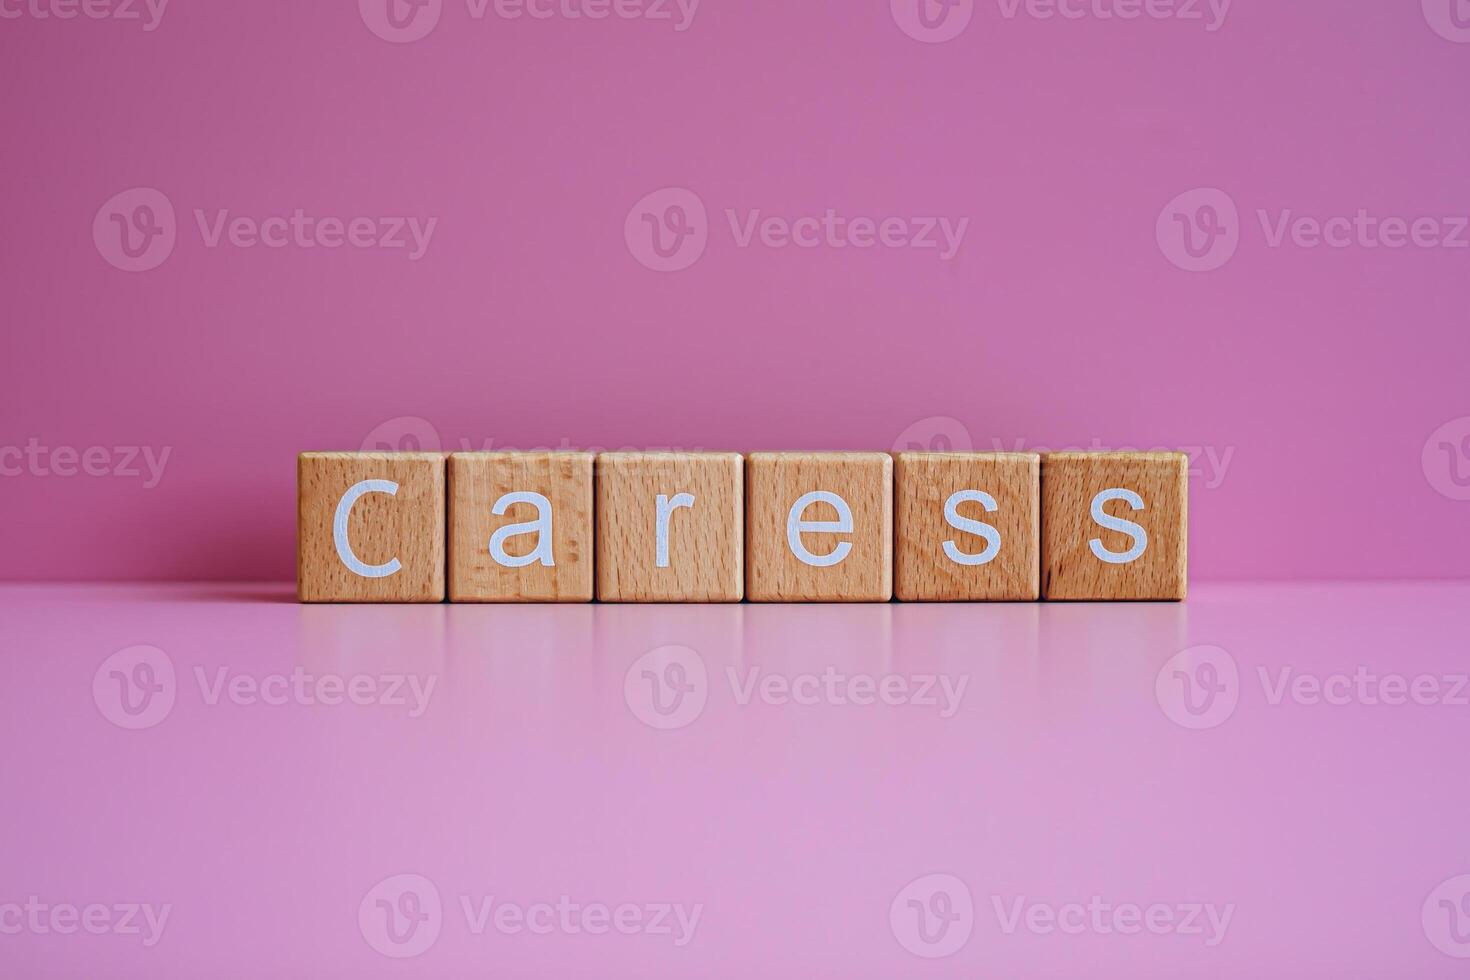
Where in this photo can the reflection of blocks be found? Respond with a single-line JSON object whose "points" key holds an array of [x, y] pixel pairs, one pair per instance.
{"points": [[370, 527], [1114, 525], [967, 526], [819, 527], [520, 527], [670, 527]]}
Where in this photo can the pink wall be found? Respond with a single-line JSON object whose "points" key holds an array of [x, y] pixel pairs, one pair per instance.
{"points": [[1317, 376]]}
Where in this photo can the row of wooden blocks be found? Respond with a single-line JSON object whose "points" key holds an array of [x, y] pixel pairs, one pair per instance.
{"points": [[722, 527]]}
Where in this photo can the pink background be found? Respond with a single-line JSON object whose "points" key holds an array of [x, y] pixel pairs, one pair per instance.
{"points": [[528, 322]]}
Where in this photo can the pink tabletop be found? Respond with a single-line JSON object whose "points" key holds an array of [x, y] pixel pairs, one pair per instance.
{"points": [[216, 781]]}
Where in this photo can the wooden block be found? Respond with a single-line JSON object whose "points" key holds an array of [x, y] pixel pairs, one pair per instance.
{"points": [[819, 527], [967, 526], [670, 527], [370, 527], [1114, 525], [520, 527]]}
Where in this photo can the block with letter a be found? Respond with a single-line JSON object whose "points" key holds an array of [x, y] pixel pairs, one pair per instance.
{"points": [[520, 527]]}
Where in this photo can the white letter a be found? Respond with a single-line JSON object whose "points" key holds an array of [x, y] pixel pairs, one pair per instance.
{"points": [[541, 526]]}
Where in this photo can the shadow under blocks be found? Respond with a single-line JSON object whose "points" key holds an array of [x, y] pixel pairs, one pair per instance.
{"points": [[726, 527]]}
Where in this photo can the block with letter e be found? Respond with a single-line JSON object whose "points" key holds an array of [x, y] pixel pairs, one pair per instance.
{"points": [[1114, 526], [819, 527], [370, 527]]}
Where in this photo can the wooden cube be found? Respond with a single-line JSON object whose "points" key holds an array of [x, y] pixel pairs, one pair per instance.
{"points": [[370, 527], [819, 527], [1113, 525], [670, 527], [967, 526], [520, 527]]}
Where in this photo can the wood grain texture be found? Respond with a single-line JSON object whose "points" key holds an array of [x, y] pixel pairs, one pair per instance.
{"points": [[923, 483], [407, 525], [1071, 569], [477, 481], [774, 482], [706, 541]]}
